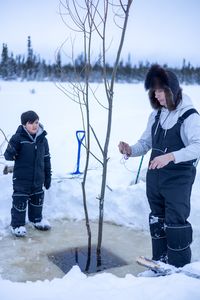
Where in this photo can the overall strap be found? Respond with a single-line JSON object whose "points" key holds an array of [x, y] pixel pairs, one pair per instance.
{"points": [[186, 115], [156, 123], [157, 117]]}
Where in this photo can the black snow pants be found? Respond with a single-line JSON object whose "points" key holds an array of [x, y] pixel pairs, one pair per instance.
{"points": [[168, 192], [34, 199]]}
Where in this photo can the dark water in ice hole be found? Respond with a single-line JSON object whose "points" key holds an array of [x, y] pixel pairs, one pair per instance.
{"points": [[87, 259]]}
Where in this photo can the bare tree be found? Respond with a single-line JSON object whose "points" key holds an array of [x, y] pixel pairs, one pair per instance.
{"points": [[7, 169], [109, 89], [90, 18]]}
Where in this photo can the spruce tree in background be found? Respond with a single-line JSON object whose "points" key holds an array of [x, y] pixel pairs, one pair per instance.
{"points": [[58, 66], [12, 66], [29, 62], [4, 62]]}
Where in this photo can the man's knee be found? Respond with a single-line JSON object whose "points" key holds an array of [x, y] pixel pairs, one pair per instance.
{"points": [[157, 227], [179, 237]]}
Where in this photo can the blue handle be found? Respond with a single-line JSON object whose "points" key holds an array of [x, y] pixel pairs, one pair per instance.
{"points": [[80, 135], [80, 139]]}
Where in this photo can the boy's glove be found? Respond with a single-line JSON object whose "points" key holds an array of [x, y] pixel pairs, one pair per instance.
{"points": [[47, 183]]}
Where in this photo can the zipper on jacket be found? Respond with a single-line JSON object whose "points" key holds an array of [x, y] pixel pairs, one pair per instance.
{"points": [[34, 177]]}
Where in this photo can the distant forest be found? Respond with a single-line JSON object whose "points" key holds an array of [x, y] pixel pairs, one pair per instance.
{"points": [[33, 67]]}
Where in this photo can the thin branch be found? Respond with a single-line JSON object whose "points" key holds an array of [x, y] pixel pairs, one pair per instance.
{"points": [[67, 93], [121, 42], [5, 137], [97, 100], [93, 155], [96, 138], [70, 14], [106, 84]]}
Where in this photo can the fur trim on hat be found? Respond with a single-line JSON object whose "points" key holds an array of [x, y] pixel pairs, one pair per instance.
{"points": [[157, 77]]}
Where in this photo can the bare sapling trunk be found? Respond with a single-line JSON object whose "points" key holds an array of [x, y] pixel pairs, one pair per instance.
{"points": [[79, 91], [89, 18], [109, 89]]}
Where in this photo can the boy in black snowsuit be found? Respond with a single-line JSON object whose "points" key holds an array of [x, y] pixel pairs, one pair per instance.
{"points": [[29, 148]]}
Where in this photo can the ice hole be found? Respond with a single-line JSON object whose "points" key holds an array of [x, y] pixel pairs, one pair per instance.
{"points": [[87, 259]]}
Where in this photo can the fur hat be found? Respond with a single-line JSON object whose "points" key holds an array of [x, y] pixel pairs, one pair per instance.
{"points": [[158, 77], [29, 116]]}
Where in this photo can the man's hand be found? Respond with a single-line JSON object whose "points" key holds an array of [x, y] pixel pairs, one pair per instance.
{"points": [[160, 161], [124, 148]]}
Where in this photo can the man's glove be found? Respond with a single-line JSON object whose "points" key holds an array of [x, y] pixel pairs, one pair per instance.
{"points": [[47, 183]]}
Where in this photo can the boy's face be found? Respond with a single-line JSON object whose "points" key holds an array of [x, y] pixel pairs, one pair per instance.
{"points": [[32, 128]]}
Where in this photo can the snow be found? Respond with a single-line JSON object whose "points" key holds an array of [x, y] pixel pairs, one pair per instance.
{"points": [[103, 287], [125, 203]]}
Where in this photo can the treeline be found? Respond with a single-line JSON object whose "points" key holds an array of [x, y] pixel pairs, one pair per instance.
{"points": [[33, 67]]}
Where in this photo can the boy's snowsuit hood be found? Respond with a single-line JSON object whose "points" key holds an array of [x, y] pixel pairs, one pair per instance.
{"points": [[22, 130]]}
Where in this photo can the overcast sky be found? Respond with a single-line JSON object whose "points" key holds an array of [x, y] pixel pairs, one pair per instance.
{"points": [[163, 31]]}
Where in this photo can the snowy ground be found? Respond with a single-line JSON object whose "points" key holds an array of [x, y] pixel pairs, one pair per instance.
{"points": [[125, 205]]}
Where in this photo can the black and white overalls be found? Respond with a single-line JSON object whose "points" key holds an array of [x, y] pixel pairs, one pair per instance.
{"points": [[168, 192]]}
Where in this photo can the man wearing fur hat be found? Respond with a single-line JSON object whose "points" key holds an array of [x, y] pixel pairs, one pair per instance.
{"points": [[173, 135]]}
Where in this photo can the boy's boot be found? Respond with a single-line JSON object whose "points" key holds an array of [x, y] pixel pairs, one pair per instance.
{"points": [[18, 214], [43, 225], [35, 212], [19, 231]]}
